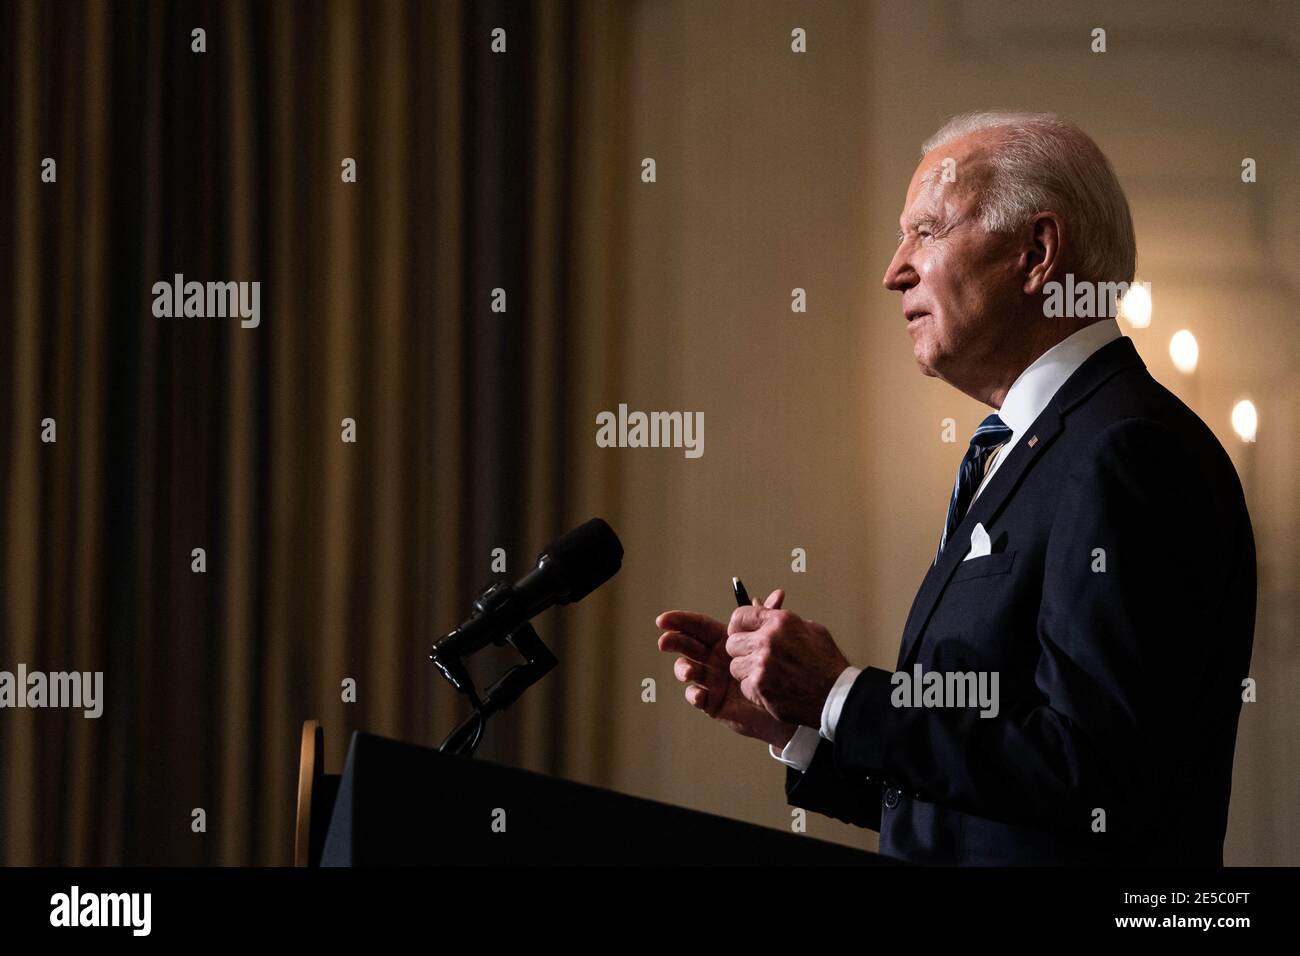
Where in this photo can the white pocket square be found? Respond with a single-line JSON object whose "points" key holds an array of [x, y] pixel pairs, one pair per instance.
{"points": [[979, 543]]}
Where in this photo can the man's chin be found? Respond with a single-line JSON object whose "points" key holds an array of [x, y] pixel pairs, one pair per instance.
{"points": [[921, 363]]}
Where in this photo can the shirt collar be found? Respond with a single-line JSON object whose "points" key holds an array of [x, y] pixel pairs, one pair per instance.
{"points": [[1034, 388]]}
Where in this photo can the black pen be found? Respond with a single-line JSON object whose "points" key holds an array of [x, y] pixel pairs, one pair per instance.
{"points": [[742, 596]]}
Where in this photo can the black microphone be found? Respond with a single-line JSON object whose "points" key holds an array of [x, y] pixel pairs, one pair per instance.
{"points": [[568, 569]]}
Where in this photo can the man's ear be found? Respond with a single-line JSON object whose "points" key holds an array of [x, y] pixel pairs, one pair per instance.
{"points": [[1042, 259]]}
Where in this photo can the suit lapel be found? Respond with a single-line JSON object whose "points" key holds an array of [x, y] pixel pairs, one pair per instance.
{"points": [[1099, 367], [984, 510]]}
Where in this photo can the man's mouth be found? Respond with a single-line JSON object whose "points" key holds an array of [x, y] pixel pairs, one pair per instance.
{"points": [[914, 315]]}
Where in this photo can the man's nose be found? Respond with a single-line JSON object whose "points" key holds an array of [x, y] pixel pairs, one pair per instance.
{"points": [[899, 276]]}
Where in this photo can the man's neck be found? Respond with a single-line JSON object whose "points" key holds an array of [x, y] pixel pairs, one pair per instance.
{"points": [[1051, 334]]}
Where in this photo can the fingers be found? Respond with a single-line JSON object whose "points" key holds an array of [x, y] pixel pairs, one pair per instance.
{"points": [[698, 697], [749, 691], [774, 599], [748, 618], [699, 626], [740, 667], [690, 672], [741, 644], [675, 642]]}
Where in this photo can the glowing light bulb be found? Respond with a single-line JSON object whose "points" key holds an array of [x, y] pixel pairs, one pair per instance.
{"points": [[1245, 420], [1184, 351], [1136, 306]]}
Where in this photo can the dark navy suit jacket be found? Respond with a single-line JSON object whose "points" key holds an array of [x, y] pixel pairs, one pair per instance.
{"points": [[1120, 689]]}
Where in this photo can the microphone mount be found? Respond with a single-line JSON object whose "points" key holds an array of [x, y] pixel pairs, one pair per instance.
{"points": [[508, 688]]}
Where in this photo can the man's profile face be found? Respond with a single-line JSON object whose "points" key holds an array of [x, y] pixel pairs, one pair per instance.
{"points": [[960, 284]]}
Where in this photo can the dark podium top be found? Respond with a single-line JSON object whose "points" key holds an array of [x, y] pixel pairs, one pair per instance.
{"points": [[400, 804]]}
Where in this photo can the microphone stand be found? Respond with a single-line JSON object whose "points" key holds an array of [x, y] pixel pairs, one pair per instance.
{"points": [[507, 689]]}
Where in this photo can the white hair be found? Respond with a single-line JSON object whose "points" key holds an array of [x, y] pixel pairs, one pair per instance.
{"points": [[1042, 163]]}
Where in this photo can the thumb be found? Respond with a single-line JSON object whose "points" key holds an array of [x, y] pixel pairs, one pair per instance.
{"points": [[774, 599]]}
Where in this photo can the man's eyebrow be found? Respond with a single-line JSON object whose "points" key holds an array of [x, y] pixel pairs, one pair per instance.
{"points": [[918, 223]]}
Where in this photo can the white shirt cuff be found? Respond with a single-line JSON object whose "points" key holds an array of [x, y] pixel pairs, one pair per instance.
{"points": [[835, 700], [798, 752]]}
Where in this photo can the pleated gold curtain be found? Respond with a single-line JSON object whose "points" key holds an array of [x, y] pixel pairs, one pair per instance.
{"points": [[325, 560]]}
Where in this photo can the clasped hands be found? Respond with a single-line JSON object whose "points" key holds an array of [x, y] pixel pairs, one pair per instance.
{"points": [[763, 674]]}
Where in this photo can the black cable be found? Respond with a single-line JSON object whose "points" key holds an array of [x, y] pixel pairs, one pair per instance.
{"points": [[480, 724]]}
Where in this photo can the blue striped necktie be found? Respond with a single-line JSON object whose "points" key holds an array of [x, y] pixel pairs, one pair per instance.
{"points": [[991, 433]]}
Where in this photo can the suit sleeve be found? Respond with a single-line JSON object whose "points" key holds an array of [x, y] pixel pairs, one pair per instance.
{"points": [[824, 789], [1120, 654]]}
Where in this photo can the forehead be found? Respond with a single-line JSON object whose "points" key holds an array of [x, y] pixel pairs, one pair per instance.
{"points": [[931, 190]]}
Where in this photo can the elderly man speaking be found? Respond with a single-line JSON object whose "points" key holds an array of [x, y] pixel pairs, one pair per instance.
{"points": [[1096, 568]]}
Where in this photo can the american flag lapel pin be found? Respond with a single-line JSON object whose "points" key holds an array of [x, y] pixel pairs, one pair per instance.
{"points": [[1033, 441]]}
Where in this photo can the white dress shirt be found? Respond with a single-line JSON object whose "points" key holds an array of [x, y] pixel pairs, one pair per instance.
{"points": [[1024, 402]]}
